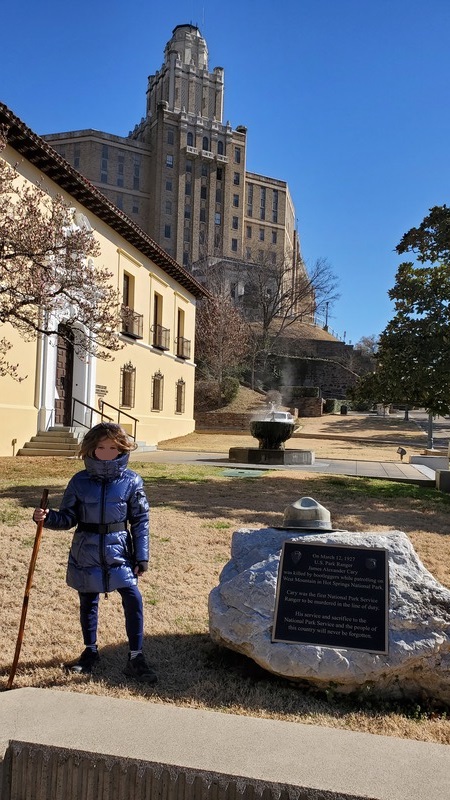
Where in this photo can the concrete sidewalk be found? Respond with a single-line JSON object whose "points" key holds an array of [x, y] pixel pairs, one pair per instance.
{"points": [[387, 470], [125, 748]]}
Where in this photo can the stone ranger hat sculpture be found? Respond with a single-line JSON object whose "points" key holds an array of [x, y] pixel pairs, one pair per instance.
{"points": [[306, 514]]}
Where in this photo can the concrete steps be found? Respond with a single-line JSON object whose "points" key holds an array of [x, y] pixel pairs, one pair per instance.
{"points": [[57, 441]]}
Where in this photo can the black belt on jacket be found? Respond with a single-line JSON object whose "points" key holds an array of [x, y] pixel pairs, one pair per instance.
{"points": [[103, 527]]}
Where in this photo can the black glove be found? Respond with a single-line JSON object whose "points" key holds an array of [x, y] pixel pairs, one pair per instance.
{"points": [[143, 566]]}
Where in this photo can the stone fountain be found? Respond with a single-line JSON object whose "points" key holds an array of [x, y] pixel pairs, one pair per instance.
{"points": [[271, 430]]}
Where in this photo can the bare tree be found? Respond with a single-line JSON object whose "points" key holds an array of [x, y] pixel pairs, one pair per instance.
{"points": [[276, 297], [47, 271], [221, 339]]}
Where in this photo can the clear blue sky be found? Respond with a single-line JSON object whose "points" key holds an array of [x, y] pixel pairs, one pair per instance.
{"points": [[357, 91]]}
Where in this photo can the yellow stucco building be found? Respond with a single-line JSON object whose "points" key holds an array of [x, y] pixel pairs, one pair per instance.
{"points": [[149, 384]]}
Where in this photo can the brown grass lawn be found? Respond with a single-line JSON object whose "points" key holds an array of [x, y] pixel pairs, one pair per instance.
{"points": [[195, 509]]}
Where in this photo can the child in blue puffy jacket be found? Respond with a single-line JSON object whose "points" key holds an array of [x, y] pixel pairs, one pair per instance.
{"points": [[102, 500]]}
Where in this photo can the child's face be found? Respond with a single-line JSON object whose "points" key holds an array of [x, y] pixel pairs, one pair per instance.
{"points": [[106, 450]]}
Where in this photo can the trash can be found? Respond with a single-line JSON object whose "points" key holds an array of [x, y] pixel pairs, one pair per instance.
{"points": [[343, 409]]}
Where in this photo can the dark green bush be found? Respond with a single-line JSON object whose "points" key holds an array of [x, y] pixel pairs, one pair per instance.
{"points": [[229, 389]]}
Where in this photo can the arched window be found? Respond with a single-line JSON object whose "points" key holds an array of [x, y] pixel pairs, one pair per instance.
{"points": [[180, 390], [127, 384], [157, 391], [220, 148], [205, 144], [190, 139]]}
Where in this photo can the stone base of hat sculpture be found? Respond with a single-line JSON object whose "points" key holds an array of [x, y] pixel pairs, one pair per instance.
{"points": [[241, 614]]}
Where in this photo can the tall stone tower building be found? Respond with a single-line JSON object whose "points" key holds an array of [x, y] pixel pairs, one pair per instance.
{"points": [[181, 172]]}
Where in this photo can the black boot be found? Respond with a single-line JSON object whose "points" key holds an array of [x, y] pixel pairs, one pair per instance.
{"points": [[85, 663], [138, 669]]}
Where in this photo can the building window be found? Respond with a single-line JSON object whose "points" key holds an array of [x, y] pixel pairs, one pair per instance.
{"points": [[237, 155], [205, 143], [187, 235], [249, 231], [180, 391], [120, 180], [236, 200], [248, 253], [167, 231], [261, 234], [170, 136], [105, 151], [250, 200], [203, 192], [187, 212], [136, 174], [157, 391], [220, 148], [235, 223], [168, 206], [204, 171], [104, 165], [218, 195], [219, 174], [263, 203], [188, 188], [217, 218], [185, 258], [104, 177], [274, 237], [168, 186], [201, 237], [135, 205], [203, 215], [189, 165], [119, 201], [236, 178], [234, 245], [127, 385], [275, 206], [190, 139], [169, 161]]}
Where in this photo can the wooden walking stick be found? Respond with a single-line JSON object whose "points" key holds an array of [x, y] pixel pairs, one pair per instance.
{"points": [[37, 542]]}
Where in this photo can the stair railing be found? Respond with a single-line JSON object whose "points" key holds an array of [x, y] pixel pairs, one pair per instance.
{"points": [[92, 411], [120, 414]]}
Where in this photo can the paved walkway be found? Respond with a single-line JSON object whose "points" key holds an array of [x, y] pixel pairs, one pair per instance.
{"points": [[397, 471]]}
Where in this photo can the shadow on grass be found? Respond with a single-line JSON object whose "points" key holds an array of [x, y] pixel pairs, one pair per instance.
{"points": [[192, 670], [29, 496], [260, 502]]}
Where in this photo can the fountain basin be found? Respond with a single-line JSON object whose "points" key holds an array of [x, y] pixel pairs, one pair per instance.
{"points": [[261, 455], [271, 434]]}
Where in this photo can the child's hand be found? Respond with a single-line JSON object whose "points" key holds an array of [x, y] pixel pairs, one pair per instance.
{"points": [[140, 568], [40, 514]]}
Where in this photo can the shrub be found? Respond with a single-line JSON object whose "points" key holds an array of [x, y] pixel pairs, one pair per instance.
{"points": [[229, 389]]}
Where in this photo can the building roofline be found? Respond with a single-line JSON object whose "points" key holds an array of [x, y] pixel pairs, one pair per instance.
{"points": [[186, 25], [50, 163]]}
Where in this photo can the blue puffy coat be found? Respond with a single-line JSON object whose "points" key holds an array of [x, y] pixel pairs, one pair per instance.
{"points": [[104, 492]]}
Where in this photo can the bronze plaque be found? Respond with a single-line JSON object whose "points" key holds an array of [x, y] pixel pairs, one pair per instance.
{"points": [[333, 596]]}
